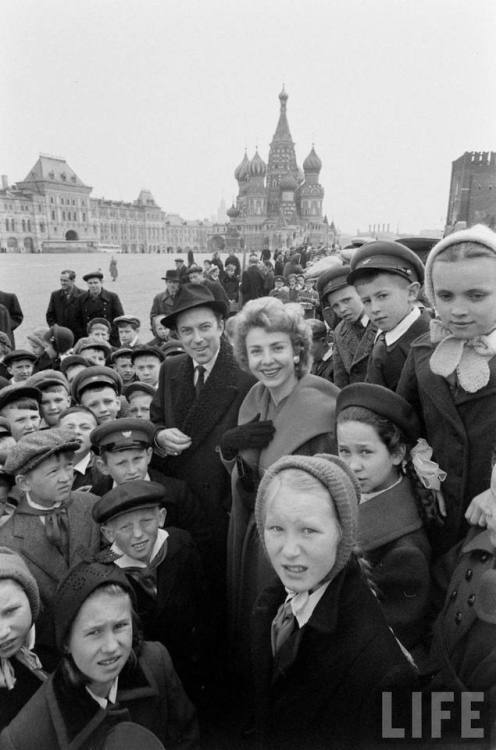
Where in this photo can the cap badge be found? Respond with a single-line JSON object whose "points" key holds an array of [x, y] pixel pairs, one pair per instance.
{"points": [[127, 434], [367, 260]]}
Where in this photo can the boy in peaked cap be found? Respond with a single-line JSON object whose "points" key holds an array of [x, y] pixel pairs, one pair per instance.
{"points": [[139, 397], [388, 277], [124, 452], [52, 526], [55, 395], [122, 362], [354, 334], [128, 327], [20, 406], [162, 565], [99, 390]]}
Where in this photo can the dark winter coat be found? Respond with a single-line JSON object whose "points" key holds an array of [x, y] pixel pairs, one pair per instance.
{"points": [[324, 692], [352, 347], [11, 303], [25, 534], [461, 429], [162, 304], [386, 362], [150, 694], [391, 535], [106, 305], [11, 701], [64, 310], [252, 284]]}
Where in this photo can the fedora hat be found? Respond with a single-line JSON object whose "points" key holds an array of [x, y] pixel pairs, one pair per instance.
{"points": [[189, 297]]}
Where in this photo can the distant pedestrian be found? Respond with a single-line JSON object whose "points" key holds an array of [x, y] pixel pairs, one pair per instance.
{"points": [[113, 269]]}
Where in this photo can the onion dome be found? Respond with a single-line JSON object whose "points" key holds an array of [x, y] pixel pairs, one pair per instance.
{"points": [[288, 182], [233, 212], [242, 169], [312, 163], [257, 166]]}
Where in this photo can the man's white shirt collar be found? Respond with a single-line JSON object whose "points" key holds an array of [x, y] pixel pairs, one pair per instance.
{"points": [[82, 465], [209, 366], [125, 561], [397, 332]]}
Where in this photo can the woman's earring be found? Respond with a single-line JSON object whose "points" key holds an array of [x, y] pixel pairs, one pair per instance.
{"points": [[296, 359]]}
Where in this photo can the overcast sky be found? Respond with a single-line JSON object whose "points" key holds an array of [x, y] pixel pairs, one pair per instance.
{"points": [[166, 94]]}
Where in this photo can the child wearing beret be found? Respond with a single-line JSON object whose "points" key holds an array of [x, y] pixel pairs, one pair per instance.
{"points": [[376, 429], [106, 674], [322, 651], [163, 568], [450, 375], [387, 276], [21, 672]]}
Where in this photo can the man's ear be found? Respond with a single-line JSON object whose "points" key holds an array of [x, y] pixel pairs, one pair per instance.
{"points": [[162, 514], [22, 481], [109, 533], [149, 454], [413, 290], [102, 466]]}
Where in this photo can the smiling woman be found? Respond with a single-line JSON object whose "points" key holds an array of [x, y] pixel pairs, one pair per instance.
{"points": [[103, 663]]}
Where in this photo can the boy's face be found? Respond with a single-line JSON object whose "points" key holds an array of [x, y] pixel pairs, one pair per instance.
{"points": [[387, 299], [51, 481], [139, 406], [135, 532], [346, 304], [100, 332], [102, 402], [465, 295], [124, 366], [53, 401], [21, 420], [20, 369], [124, 466], [147, 369], [94, 356], [127, 334], [160, 331], [78, 426]]}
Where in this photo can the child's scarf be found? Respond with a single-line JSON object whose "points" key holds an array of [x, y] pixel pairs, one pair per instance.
{"points": [[468, 358], [26, 656]]}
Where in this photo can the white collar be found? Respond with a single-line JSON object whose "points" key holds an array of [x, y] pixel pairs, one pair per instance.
{"points": [[32, 504], [209, 366], [402, 327], [125, 561], [82, 465], [303, 605], [364, 320], [111, 698], [369, 495]]}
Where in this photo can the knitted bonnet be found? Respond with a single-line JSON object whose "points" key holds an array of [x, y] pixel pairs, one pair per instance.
{"points": [[478, 234], [13, 567], [343, 489]]}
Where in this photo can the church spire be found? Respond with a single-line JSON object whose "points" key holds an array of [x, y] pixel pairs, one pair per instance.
{"points": [[282, 131]]}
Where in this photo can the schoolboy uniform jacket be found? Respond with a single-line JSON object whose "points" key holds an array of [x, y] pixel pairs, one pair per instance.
{"points": [[391, 535], [25, 533], [63, 717], [386, 362], [352, 347], [461, 429]]}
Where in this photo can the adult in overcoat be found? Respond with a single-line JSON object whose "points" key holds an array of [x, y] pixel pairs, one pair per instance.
{"points": [[63, 305], [11, 303], [460, 428], [98, 302], [252, 281]]}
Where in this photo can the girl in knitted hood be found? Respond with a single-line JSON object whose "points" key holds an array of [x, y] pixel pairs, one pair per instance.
{"points": [[450, 375], [21, 672], [322, 652]]}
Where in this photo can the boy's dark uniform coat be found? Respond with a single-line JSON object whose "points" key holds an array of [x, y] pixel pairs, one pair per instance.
{"points": [[352, 346]]}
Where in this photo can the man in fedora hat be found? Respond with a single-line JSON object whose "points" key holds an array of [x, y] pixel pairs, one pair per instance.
{"points": [[198, 398], [98, 302], [164, 301]]}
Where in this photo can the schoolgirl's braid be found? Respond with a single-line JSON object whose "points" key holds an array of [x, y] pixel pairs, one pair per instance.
{"points": [[425, 499]]}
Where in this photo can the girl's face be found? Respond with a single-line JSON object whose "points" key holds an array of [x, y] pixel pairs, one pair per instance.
{"points": [[271, 360], [301, 534], [369, 459], [15, 617], [465, 295], [101, 639]]}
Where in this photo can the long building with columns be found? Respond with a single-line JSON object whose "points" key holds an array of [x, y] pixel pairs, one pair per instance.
{"points": [[278, 205]]}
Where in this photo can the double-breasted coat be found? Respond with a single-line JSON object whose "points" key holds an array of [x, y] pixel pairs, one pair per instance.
{"points": [[61, 716], [104, 305], [25, 533], [461, 429], [324, 690], [352, 346], [11, 303], [64, 310]]}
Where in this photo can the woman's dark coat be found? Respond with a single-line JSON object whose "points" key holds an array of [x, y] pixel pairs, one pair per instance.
{"points": [[461, 429], [325, 691], [11, 701], [150, 695]]}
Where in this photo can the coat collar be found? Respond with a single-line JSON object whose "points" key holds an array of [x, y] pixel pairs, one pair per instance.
{"points": [[387, 516]]}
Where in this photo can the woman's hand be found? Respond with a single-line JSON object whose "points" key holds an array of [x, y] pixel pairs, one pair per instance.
{"points": [[253, 434], [480, 506], [173, 441]]}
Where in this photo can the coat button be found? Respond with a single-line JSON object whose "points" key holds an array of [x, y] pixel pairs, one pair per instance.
{"points": [[458, 618], [469, 573], [471, 600], [453, 595]]}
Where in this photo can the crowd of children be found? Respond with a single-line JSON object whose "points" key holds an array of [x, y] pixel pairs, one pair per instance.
{"points": [[360, 551]]}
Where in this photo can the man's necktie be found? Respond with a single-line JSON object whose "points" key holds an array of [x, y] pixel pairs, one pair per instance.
{"points": [[200, 380]]}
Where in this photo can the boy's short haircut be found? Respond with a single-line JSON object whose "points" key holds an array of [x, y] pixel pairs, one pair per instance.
{"points": [[21, 403], [54, 388]]}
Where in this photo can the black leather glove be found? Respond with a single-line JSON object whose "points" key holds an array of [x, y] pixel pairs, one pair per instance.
{"points": [[254, 434]]}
